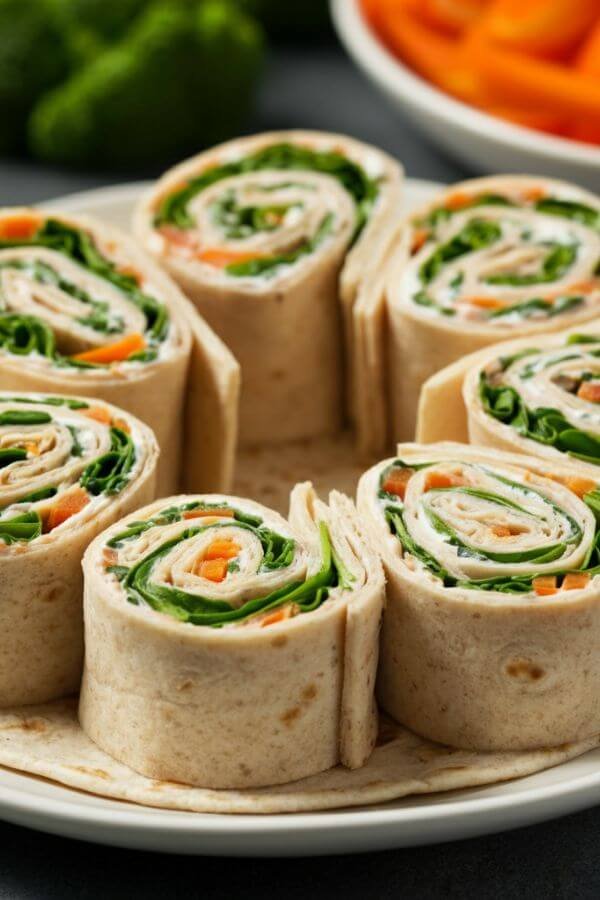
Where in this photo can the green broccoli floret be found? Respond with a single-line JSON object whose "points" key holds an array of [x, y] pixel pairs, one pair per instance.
{"points": [[33, 58], [181, 79]]}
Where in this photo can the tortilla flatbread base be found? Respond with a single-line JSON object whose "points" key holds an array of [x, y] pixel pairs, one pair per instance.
{"points": [[47, 741]]}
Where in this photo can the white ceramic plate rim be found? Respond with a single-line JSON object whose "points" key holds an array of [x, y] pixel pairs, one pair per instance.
{"points": [[392, 75], [46, 806]]}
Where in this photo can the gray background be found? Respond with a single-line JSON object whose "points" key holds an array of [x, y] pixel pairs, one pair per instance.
{"points": [[557, 859]]}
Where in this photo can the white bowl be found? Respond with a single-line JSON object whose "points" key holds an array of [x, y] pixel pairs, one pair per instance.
{"points": [[484, 142]]}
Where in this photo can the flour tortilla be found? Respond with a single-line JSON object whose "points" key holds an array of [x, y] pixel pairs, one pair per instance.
{"points": [[448, 398], [41, 582], [294, 332], [48, 742], [237, 706], [479, 668], [421, 340], [188, 397]]}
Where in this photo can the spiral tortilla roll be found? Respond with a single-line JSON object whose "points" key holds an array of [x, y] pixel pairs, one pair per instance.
{"points": [[69, 467], [226, 647], [491, 633], [271, 237], [83, 309], [489, 259]]}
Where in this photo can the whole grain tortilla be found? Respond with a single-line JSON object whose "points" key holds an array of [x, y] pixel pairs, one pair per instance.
{"points": [[189, 702], [423, 339], [293, 332], [469, 665], [188, 395], [47, 741]]}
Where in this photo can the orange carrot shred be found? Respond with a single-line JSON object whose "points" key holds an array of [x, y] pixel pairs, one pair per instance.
{"points": [[117, 352]]}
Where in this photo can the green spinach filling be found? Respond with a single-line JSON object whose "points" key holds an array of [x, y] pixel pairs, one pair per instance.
{"points": [[278, 553], [285, 156], [511, 584], [25, 334]]}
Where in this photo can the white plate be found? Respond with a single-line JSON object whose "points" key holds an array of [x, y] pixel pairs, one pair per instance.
{"points": [[39, 804], [487, 143]]}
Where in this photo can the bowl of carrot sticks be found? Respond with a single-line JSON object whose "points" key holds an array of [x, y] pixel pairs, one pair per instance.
{"points": [[504, 85]]}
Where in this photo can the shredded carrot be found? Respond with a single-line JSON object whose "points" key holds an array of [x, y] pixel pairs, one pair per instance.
{"points": [[457, 200], [501, 530], [98, 413], [533, 194], [396, 480], [201, 513], [67, 505], [541, 27], [484, 302], [123, 425], [580, 486], [222, 548], [19, 227], [32, 448], [212, 569], [214, 256], [110, 556], [278, 615], [544, 585], [590, 391], [575, 581], [117, 352], [131, 273], [436, 480], [420, 237]]}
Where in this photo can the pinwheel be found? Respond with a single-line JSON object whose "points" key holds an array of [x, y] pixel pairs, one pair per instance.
{"points": [[538, 397], [489, 259], [83, 309], [491, 630], [256, 232], [226, 647], [69, 467]]}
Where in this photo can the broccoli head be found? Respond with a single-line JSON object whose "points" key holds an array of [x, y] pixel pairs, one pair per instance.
{"points": [[182, 78], [33, 58]]}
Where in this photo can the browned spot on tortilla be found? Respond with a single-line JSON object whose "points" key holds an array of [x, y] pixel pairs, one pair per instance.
{"points": [[245, 770], [309, 692], [159, 785], [524, 670], [87, 770], [51, 595], [184, 685], [32, 725], [290, 715], [279, 641], [450, 769]]}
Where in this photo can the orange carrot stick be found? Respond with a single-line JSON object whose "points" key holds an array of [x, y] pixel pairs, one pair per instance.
{"points": [[396, 480], [544, 585], [540, 27], [212, 569], [67, 505], [222, 548], [117, 352], [200, 513], [19, 227], [590, 391], [98, 413], [219, 258], [575, 581]]}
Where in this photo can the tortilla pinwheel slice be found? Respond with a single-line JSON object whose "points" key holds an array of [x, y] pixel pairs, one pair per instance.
{"points": [[490, 259], [227, 647], [69, 467], [491, 632], [84, 310], [274, 238]]}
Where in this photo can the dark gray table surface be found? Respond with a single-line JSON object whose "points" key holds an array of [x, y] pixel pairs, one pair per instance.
{"points": [[559, 859]]}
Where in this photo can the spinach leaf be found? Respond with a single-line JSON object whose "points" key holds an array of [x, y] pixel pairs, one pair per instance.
{"points": [[477, 234]]}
